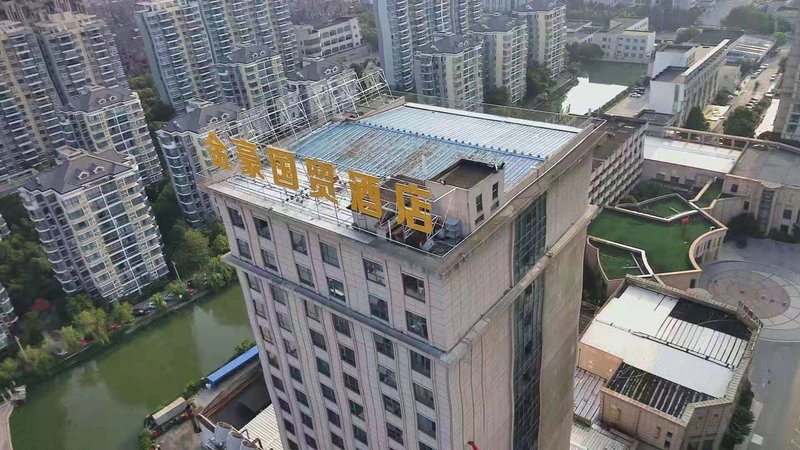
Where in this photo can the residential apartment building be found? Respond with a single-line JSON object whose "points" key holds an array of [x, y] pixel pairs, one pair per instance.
{"points": [[505, 54], [29, 126], [451, 70], [4, 231], [787, 119], [685, 76], [252, 76], [182, 142], [178, 51], [375, 335], [617, 159], [403, 27], [627, 39], [112, 119], [501, 6], [80, 52], [95, 224], [546, 33], [328, 38], [7, 318], [320, 86], [31, 11]]}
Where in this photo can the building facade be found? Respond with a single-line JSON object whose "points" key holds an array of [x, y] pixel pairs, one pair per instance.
{"points": [[505, 54], [29, 126], [252, 76], [451, 70], [325, 39], [7, 318], [501, 6], [112, 119], [320, 86], [617, 159], [95, 224], [627, 39], [4, 230], [80, 52], [787, 119], [546, 33], [31, 11], [178, 51], [376, 336]]}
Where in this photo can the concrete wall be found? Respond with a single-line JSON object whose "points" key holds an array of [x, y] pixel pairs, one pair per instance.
{"points": [[657, 170], [645, 423], [597, 361]]}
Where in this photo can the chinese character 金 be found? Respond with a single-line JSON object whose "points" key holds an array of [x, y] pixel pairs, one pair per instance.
{"points": [[320, 177], [284, 171], [365, 194], [218, 151], [249, 161], [417, 215]]}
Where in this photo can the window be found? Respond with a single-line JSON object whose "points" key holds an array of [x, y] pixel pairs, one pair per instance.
{"points": [[347, 354], [351, 383], [336, 440], [291, 348], [787, 214], [273, 360], [426, 425], [292, 445], [298, 242], [278, 294], [278, 383], [288, 425], [394, 433], [301, 397], [310, 441], [423, 446], [295, 373], [386, 376], [360, 435], [335, 289], [307, 420], [270, 262], [313, 311], [329, 254], [378, 308], [479, 203], [692, 283], [420, 364], [392, 405], [305, 275], [262, 228], [383, 345], [333, 418], [417, 324], [253, 282], [356, 410], [734, 188], [342, 326], [675, 180], [284, 322], [285, 406], [423, 395], [785, 229], [328, 393], [746, 205], [323, 367], [318, 339], [414, 287], [266, 334], [244, 248], [495, 190], [236, 218], [374, 272]]}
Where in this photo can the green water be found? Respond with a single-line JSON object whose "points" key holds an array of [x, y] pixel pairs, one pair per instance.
{"points": [[101, 404]]}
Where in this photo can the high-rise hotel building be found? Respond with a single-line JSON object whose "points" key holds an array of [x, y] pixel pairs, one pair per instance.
{"points": [[374, 335]]}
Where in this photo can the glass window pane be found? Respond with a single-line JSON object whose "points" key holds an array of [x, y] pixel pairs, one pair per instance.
{"points": [[298, 242]]}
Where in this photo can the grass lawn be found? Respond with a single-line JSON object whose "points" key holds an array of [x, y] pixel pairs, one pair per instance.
{"points": [[666, 244], [711, 194], [667, 207], [616, 262]]}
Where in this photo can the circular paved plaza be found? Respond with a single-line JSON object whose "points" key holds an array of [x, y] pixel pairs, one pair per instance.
{"points": [[772, 293]]}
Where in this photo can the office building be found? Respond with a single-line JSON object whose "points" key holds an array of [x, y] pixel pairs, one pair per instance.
{"points": [[178, 52], [451, 70], [95, 224], [404, 27], [4, 230], [328, 38], [787, 119], [373, 334], [80, 52], [7, 318], [252, 76], [627, 39], [321, 85], [112, 119], [546, 33], [505, 54], [617, 160], [29, 126], [182, 142]]}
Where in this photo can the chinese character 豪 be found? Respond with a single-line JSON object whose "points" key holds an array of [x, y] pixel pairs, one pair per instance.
{"points": [[218, 151], [284, 171], [320, 176], [417, 215], [365, 194], [250, 163]]}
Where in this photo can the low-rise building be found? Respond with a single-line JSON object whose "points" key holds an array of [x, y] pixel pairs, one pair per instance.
{"points": [[617, 159], [546, 32], [669, 364], [627, 39], [683, 163], [451, 70], [95, 224], [328, 38], [252, 76], [730, 77], [505, 54]]}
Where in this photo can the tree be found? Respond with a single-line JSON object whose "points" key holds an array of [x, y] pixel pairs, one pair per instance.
{"points": [[243, 346], [33, 328], [538, 81], [9, 369], [122, 313], [782, 64], [584, 51], [741, 122], [780, 39], [696, 120], [72, 338], [25, 272], [496, 96], [687, 34], [219, 274], [745, 224], [721, 98], [38, 359], [191, 251], [178, 290], [749, 18], [78, 303], [159, 301], [220, 245], [93, 322]]}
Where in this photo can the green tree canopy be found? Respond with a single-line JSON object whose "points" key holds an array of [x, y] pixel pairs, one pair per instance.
{"points": [[584, 51], [9, 369], [79, 303], [178, 290], [497, 96], [749, 18], [741, 122], [25, 272], [93, 322], [780, 39], [33, 327], [159, 301], [39, 360], [220, 245], [122, 313], [696, 120], [72, 338], [191, 249]]}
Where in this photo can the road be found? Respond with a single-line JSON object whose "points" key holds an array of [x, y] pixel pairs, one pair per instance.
{"points": [[714, 15]]}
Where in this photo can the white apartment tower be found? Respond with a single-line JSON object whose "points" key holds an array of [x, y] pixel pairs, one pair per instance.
{"points": [[29, 126], [501, 6], [252, 76], [451, 70], [374, 335], [112, 119], [324, 39], [546, 33], [787, 120], [95, 224], [405, 26], [505, 54], [80, 52], [178, 51]]}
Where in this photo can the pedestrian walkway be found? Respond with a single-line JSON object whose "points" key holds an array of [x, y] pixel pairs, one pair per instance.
{"points": [[5, 430]]}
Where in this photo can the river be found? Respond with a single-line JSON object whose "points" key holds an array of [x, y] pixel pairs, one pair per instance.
{"points": [[101, 404], [601, 82]]}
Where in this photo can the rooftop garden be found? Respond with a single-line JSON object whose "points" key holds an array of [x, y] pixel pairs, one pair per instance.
{"points": [[617, 262], [666, 244], [712, 193], [664, 207]]}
